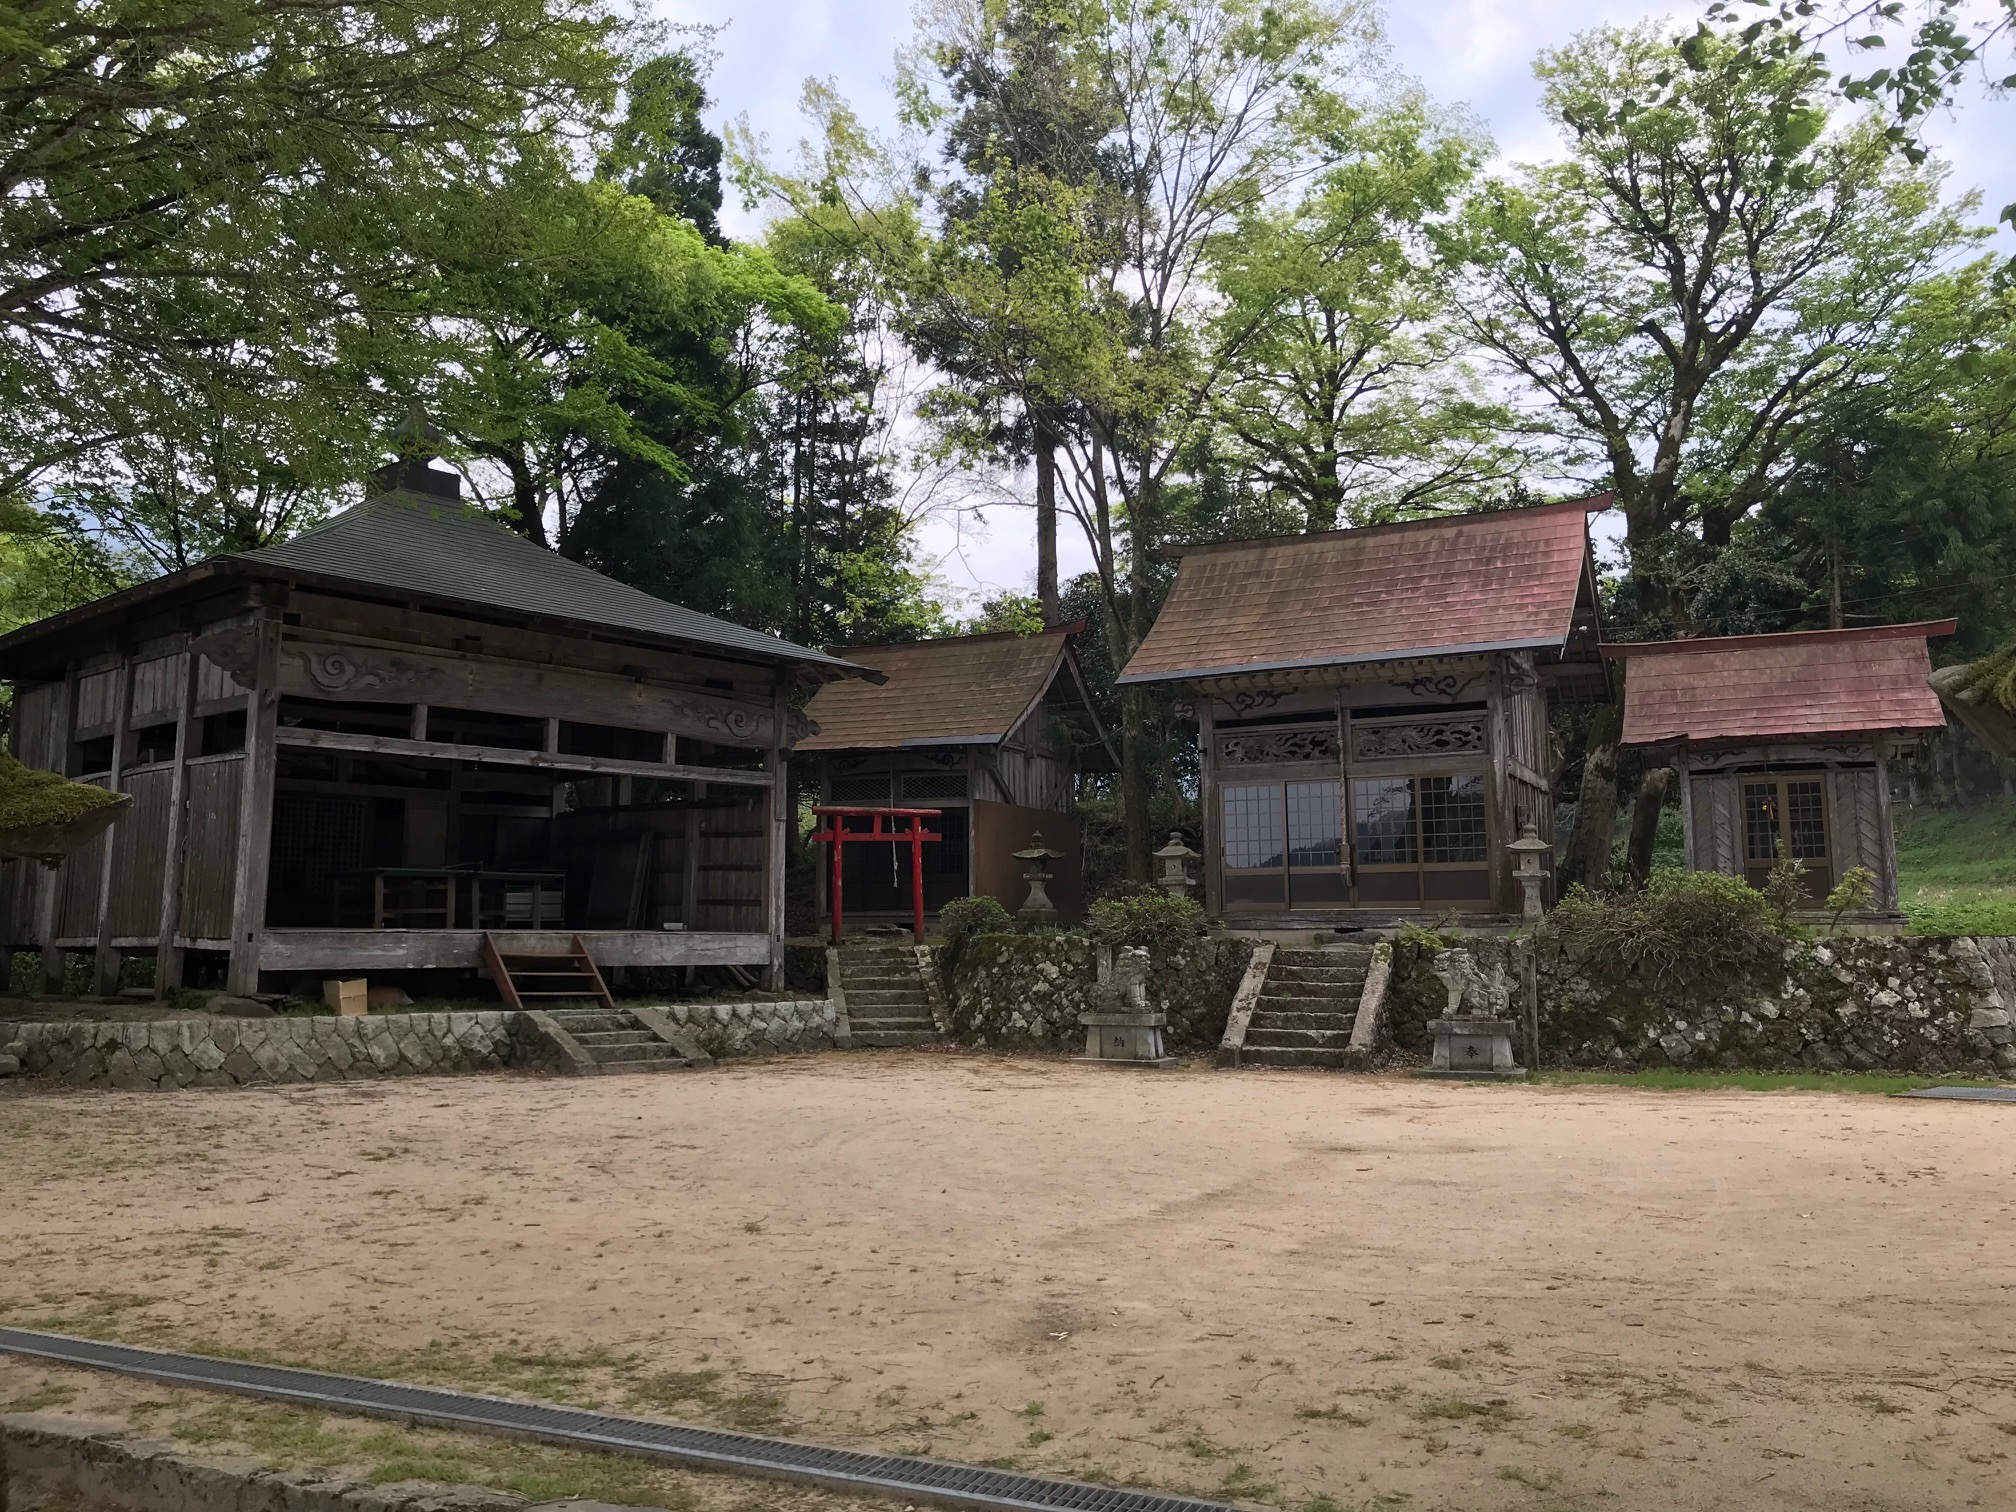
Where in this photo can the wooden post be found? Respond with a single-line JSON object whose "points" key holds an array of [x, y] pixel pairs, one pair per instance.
{"points": [[773, 871], [689, 883], [167, 954], [49, 906], [1686, 782], [416, 726], [1887, 897], [105, 959], [1498, 817], [255, 809], [1207, 802]]}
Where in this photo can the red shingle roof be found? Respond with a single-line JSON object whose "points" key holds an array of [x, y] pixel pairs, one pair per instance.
{"points": [[1803, 685], [1501, 581], [969, 689]]}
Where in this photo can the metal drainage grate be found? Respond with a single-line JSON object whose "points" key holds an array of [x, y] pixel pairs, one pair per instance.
{"points": [[1963, 1094], [844, 1469]]}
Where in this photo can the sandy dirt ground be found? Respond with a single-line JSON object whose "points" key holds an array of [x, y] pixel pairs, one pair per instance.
{"points": [[1290, 1289]]}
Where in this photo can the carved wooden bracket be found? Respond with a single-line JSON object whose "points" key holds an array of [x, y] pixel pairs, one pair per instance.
{"points": [[235, 650]]}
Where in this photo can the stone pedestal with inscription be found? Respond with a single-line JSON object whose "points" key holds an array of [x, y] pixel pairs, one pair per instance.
{"points": [[1474, 1049], [1472, 1046], [1124, 1030]]}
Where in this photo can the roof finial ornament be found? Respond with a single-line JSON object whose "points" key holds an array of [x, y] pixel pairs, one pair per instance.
{"points": [[417, 437]]}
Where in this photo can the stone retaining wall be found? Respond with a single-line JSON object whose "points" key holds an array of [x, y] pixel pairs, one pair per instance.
{"points": [[1912, 1003], [204, 1052], [750, 1028], [1006, 990]]}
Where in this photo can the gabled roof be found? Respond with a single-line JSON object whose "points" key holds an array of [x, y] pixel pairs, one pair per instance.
{"points": [[445, 551], [429, 548], [1802, 685], [963, 690], [1501, 581]]}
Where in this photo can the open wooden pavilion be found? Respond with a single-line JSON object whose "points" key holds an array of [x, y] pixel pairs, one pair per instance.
{"points": [[368, 748]]}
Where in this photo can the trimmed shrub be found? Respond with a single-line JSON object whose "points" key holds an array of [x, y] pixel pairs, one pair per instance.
{"points": [[1155, 921], [963, 918]]}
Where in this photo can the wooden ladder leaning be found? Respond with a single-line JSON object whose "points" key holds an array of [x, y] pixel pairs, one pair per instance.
{"points": [[521, 975]]}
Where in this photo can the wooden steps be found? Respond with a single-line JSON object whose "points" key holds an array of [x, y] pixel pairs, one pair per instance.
{"points": [[524, 979]]}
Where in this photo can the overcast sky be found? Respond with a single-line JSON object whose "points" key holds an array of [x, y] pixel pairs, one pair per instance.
{"points": [[1477, 53]]}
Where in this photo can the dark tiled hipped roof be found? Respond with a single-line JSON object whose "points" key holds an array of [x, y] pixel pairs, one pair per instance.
{"points": [[1501, 581], [444, 551], [1804, 685], [965, 690]]}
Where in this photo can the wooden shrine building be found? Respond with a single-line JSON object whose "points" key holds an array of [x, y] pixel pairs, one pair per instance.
{"points": [[1786, 740], [1372, 708], [991, 729], [365, 749]]}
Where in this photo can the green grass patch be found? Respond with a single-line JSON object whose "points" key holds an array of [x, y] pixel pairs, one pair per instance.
{"points": [[1760, 1081], [1956, 869], [294, 1437]]}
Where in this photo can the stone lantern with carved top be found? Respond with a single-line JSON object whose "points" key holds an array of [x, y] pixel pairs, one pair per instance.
{"points": [[1176, 858]]}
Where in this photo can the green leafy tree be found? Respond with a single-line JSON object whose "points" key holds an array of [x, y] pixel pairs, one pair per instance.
{"points": [[1940, 50], [1094, 272], [1899, 501], [754, 476], [1351, 397], [182, 184], [1711, 267], [1021, 107]]}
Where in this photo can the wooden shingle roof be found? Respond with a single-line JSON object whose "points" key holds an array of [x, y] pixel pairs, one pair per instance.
{"points": [[1802, 685], [1501, 581], [963, 690], [436, 552], [447, 551]]}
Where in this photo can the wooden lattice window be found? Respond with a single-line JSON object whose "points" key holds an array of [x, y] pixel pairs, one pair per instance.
{"points": [[1792, 812], [1421, 840], [1284, 844], [871, 788]]}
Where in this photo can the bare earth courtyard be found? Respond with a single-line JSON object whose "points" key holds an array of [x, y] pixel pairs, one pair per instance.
{"points": [[1273, 1287]]}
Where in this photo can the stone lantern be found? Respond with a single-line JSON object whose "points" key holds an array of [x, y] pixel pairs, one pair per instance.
{"points": [[1176, 858], [1528, 849], [1037, 907]]}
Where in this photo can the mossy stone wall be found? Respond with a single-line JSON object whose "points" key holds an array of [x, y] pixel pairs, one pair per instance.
{"points": [[1934, 1006], [1012, 989]]}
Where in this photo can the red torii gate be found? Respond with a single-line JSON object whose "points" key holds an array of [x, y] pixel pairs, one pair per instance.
{"points": [[836, 834]]}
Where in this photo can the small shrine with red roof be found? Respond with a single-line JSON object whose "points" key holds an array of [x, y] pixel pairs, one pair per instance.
{"points": [[1372, 708], [1783, 743], [990, 730]]}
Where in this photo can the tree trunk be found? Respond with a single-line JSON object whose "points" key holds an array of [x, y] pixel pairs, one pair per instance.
{"points": [[1588, 857], [1326, 497], [1134, 783], [1046, 524], [1134, 776], [1645, 822]]}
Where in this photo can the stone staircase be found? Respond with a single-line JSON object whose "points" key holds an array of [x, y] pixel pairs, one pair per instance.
{"points": [[883, 992], [1307, 1007], [603, 1041]]}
